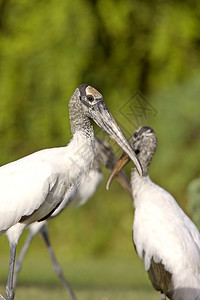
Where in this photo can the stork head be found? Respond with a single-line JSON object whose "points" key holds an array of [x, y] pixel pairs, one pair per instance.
{"points": [[92, 105], [144, 143], [144, 140]]}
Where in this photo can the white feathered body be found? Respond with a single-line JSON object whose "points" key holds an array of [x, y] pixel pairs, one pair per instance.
{"points": [[35, 185], [77, 196], [163, 232], [88, 187]]}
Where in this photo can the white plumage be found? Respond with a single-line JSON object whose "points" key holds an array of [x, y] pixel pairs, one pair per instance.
{"points": [[78, 196], [43, 178], [164, 236], [34, 186], [164, 232], [88, 187]]}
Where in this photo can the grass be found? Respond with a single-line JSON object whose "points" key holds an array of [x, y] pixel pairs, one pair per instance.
{"points": [[92, 279], [45, 293]]}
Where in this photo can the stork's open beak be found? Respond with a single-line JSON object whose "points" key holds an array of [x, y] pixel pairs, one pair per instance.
{"points": [[124, 159], [106, 122]]}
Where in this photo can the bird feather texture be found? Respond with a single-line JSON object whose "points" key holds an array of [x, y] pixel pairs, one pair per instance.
{"points": [[161, 228], [42, 179]]}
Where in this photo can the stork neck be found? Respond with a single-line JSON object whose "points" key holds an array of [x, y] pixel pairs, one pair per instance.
{"points": [[145, 158], [78, 120]]}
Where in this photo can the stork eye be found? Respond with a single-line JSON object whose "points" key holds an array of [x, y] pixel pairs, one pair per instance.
{"points": [[135, 134], [90, 98]]}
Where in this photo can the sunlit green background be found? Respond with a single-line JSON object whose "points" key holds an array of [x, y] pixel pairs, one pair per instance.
{"points": [[141, 55]]}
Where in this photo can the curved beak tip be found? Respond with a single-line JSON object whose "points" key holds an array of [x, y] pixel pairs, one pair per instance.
{"points": [[139, 168]]}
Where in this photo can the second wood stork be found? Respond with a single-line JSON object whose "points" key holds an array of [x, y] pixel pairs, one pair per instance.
{"points": [[104, 156], [164, 236], [31, 188]]}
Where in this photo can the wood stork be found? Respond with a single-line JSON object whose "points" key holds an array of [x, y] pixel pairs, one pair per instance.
{"points": [[104, 156], [31, 188], [164, 236]]}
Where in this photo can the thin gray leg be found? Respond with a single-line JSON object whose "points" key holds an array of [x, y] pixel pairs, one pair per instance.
{"points": [[1, 297], [20, 258], [55, 264], [9, 287]]}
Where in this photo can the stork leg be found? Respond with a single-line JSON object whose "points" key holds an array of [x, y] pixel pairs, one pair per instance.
{"points": [[2, 297], [20, 258], [55, 264], [9, 287]]}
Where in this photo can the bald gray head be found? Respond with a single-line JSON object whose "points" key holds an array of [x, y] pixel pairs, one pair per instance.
{"points": [[89, 95], [81, 105], [144, 143], [82, 89], [87, 103]]}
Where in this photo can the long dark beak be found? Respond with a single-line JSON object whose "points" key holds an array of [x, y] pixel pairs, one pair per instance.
{"points": [[124, 159], [107, 123]]}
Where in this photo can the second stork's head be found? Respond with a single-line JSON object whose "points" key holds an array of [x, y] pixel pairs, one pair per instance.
{"points": [[144, 143], [87, 102]]}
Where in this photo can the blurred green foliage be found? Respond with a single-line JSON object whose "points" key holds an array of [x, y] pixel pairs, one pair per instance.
{"points": [[194, 200], [48, 48]]}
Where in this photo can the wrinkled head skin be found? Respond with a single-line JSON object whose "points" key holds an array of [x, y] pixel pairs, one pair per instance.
{"points": [[94, 107], [144, 143], [144, 139]]}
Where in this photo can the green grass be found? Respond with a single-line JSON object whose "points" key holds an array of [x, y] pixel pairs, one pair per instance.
{"points": [[48, 293], [91, 279]]}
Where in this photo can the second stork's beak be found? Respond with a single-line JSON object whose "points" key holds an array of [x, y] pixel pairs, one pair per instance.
{"points": [[106, 122], [124, 159], [123, 180]]}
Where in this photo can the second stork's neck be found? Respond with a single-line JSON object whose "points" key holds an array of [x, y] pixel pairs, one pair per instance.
{"points": [[145, 158], [78, 120], [139, 183]]}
